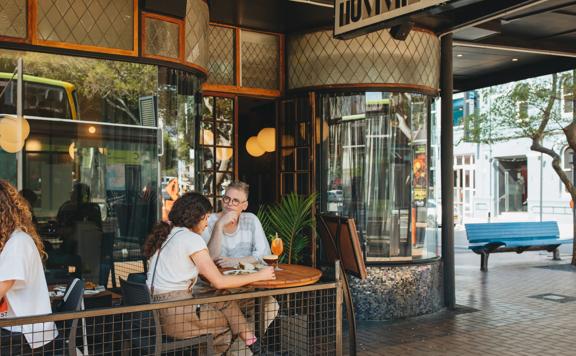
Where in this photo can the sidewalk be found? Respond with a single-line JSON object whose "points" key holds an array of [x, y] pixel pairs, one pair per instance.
{"points": [[519, 307]]}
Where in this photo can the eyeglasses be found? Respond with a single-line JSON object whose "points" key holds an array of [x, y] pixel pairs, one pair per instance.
{"points": [[232, 201]]}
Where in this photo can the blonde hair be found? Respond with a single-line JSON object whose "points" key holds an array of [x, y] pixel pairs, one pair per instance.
{"points": [[15, 214], [241, 186]]}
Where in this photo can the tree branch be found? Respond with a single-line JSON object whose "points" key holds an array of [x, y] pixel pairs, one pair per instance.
{"points": [[556, 160]]}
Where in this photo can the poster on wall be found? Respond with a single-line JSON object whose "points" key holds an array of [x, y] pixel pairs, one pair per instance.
{"points": [[420, 178]]}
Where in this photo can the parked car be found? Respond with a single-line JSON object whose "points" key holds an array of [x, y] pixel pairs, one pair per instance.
{"points": [[335, 196]]}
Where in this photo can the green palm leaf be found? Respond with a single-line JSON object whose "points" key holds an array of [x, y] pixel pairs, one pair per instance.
{"points": [[292, 219]]}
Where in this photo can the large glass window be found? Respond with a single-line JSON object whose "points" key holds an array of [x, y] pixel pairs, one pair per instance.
{"points": [[377, 159], [177, 111], [93, 193], [105, 139], [79, 88]]}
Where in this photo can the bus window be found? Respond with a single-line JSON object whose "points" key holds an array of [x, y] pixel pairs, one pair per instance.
{"points": [[42, 100]]}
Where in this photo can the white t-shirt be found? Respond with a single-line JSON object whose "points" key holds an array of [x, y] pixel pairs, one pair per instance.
{"points": [[175, 270], [20, 261], [248, 239]]}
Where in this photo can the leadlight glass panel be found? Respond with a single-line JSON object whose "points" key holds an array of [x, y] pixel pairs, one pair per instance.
{"points": [[260, 60], [162, 38], [101, 23], [221, 55], [13, 18], [196, 32]]}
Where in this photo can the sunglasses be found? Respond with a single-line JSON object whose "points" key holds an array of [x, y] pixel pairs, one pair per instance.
{"points": [[232, 201]]}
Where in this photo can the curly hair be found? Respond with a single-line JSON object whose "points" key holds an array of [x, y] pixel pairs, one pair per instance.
{"points": [[15, 214], [187, 211]]}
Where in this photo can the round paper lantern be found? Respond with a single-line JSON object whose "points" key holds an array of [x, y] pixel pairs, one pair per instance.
{"points": [[14, 129], [253, 147], [267, 139], [11, 147], [207, 137], [224, 153], [287, 140], [325, 129], [72, 150]]}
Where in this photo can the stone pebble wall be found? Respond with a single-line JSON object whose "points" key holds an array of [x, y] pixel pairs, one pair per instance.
{"points": [[395, 292]]}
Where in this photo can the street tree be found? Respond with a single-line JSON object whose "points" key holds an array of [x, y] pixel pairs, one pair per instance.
{"points": [[531, 109]]}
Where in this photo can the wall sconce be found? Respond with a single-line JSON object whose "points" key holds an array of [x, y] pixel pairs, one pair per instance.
{"points": [[13, 133], [253, 147], [267, 139]]}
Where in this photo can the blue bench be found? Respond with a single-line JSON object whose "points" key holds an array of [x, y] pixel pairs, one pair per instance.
{"points": [[518, 237]]}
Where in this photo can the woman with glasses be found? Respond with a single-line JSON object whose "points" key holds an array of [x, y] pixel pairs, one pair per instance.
{"points": [[234, 236]]}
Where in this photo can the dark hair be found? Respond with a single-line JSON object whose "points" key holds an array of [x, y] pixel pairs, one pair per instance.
{"points": [[187, 211]]}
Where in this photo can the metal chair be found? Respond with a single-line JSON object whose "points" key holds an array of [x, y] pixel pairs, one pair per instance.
{"points": [[144, 326], [73, 301]]}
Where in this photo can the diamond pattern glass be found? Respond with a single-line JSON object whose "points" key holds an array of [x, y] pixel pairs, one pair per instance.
{"points": [[13, 18], [162, 38], [220, 55], [102, 23], [318, 59], [260, 60], [196, 32]]}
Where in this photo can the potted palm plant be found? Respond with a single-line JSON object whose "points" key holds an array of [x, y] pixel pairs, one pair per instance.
{"points": [[292, 220]]}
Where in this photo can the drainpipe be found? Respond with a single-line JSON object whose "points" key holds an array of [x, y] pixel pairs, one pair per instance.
{"points": [[447, 167]]}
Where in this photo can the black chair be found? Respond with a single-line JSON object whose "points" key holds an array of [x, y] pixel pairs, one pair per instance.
{"points": [[73, 301], [143, 330], [139, 277]]}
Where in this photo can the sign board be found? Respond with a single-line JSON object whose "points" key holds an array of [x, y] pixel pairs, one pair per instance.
{"points": [[356, 17]]}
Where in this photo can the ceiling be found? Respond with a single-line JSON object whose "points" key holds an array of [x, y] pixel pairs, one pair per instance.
{"points": [[495, 41]]}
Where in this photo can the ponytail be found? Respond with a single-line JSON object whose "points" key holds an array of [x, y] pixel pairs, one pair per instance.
{"points": [[156, 238]]}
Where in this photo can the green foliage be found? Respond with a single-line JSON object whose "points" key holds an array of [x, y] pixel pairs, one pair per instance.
{"points": [[292, 219], [519, 110]]}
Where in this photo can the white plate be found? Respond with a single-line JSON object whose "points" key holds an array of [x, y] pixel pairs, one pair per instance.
{"points": [[91, 291], [239, 271]]}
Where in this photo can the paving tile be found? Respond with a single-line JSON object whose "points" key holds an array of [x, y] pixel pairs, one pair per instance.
{"points": [[509, 320]]}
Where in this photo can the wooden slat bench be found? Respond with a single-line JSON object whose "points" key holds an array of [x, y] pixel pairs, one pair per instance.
{"points": [[518, 237]]}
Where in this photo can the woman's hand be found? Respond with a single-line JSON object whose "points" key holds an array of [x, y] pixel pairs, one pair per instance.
{"points": [[266, 274], [227, 262]]}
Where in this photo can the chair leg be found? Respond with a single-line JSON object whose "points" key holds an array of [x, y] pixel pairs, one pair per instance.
{"points": [[556, 254], [209, 345], [484, 261]]}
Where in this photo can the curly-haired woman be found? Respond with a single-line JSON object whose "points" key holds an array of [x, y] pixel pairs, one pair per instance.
{"points": [[177, 255], [23, 288]]}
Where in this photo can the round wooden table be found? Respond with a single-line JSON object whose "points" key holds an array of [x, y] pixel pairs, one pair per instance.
{"points": [[291, 276]]}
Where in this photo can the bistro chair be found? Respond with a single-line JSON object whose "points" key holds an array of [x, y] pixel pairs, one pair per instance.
{"points": [[73, 301], [143, 330]]}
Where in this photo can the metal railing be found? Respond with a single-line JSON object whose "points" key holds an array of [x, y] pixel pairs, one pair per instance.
{"points": [[292, 321]]}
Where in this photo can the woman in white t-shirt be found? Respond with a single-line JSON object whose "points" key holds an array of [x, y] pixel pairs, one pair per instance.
{"points": [[177, 255], [23, 289]]}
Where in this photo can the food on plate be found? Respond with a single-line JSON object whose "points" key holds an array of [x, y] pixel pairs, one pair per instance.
{"points": [[247, 266], [89, 285]]}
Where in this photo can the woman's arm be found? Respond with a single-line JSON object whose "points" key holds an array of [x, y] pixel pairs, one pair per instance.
{"points": [[208, 269], [5, 286]]}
